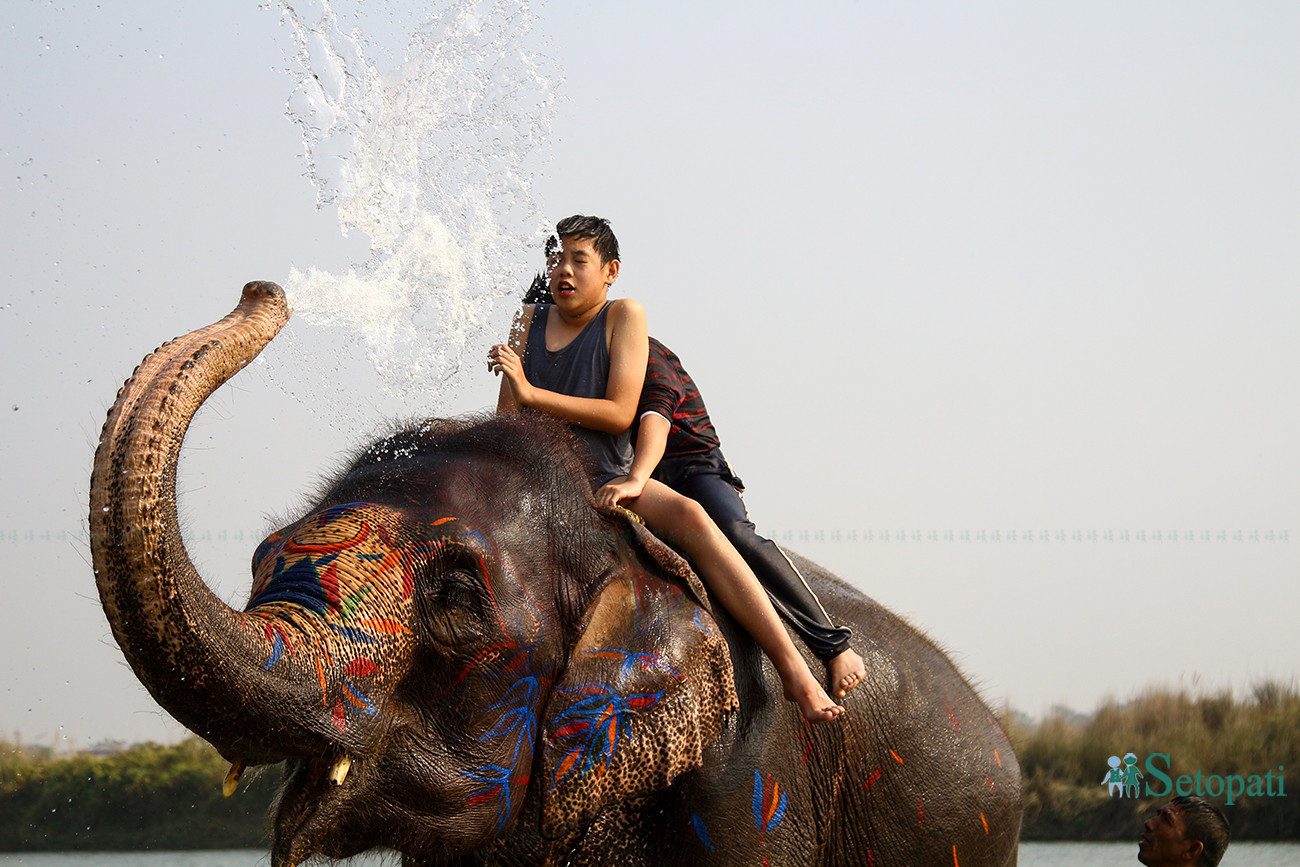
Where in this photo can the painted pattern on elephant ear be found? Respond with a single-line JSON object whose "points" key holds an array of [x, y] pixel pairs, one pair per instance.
{"points": [[648, 686]]}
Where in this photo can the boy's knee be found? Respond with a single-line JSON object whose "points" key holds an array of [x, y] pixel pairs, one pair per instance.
{"points": [[687, 520], [694, 518]]}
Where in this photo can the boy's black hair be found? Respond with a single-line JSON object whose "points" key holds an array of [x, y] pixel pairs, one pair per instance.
{"points": [[595, 228]]}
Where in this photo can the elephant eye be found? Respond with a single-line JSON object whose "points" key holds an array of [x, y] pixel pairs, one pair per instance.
{"points": [[460, 591], [455, 607]]}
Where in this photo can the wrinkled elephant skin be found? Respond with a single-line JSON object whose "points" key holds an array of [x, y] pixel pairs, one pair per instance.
{"points": [[459, 657]]}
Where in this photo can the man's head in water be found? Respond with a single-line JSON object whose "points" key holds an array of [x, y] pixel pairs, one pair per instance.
{"points": [[1186, 831]]}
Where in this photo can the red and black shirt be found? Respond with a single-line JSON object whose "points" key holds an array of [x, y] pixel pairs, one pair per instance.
{"points": [[670, 392]]}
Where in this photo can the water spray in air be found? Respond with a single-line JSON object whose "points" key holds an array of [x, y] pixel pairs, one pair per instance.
{"points": [[430, 154]]}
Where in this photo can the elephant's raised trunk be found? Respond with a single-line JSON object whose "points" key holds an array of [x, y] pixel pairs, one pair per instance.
{"points": [[199, 658]]}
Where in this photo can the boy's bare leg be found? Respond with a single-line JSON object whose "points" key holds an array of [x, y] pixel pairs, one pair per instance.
{"points": [[845, 671], [683, 524]]}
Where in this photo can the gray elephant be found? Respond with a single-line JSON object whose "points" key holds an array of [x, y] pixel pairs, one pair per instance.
{"points": [[458, 656]]}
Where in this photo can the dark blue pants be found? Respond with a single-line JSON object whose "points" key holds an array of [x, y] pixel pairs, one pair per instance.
{"points": [[791, 596]]}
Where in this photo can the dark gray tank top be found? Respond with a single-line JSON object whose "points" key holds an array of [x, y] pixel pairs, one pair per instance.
{"points": [[580, 369]]}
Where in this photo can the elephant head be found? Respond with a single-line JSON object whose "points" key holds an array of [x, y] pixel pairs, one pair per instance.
{"points": [[454, 641]]}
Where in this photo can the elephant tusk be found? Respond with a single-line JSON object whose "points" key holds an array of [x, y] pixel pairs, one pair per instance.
{"points": [[232, 777], [339, 770]]}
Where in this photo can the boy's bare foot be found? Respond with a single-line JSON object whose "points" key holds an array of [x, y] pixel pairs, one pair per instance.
{"points": [[845, 672], [815, 705]]}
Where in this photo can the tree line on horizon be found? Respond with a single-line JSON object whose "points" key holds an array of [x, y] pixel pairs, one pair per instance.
{"points": [[1174, 737], [169, 797]]}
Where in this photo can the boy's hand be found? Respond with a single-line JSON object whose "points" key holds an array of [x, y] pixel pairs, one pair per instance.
{"points": [[614, 492], [503, 359]]}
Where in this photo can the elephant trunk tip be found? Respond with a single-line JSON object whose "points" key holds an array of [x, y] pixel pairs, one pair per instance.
{"points": [[260, 290]]}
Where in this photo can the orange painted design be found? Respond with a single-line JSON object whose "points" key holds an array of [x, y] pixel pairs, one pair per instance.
{"points": [[986, 824], [954, 856], [896, 758], [353, 699], [998, 757], [566, 764], [441, 521], [772, 803], [384, 626], [324, 688]]}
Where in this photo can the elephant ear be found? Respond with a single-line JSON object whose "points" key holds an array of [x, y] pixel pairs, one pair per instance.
{"points": [[648, 686]]}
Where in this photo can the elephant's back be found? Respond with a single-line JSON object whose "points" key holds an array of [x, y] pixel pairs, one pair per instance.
{"points": [[929, 744]]}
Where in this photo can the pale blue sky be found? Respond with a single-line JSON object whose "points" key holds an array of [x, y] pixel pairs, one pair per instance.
{"points": [[980, 269]]}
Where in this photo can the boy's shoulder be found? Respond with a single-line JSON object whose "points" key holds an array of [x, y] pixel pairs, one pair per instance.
{"points": [[626, 309]]}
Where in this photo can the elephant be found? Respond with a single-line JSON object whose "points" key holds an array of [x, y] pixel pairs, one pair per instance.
{"points": [[457, 655]]}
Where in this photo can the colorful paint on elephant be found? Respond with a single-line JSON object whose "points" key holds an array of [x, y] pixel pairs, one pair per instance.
{"points": [[516, 725], [596, 724], [768, 803], [517, 721], [333, 567]]}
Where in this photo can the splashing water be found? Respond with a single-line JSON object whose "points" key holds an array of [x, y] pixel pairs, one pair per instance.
{"points": [[432, 160]]}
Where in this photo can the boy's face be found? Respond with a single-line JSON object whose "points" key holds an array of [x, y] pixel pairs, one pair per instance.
{"points": [[578, 277]]}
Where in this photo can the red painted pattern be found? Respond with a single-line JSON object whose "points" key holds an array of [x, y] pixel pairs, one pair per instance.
{"points": [[329, 584], [363, 533], [324, 687], [339, 716], [871, 779], [362, 667]]}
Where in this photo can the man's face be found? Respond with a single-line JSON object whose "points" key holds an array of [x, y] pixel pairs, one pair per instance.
{"points": [[578, 278], [1162, 840]]}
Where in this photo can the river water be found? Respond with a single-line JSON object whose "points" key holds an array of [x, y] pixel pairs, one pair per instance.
{"points": [[1031, 855]]}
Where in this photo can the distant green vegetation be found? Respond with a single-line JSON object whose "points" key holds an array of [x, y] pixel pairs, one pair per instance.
{"points": [[147, 797], [154, 797], [1064, 759]]}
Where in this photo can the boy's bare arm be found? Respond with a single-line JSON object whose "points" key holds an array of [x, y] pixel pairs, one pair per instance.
{"points": [[651, 442], [506, 402], [629, 348]]}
